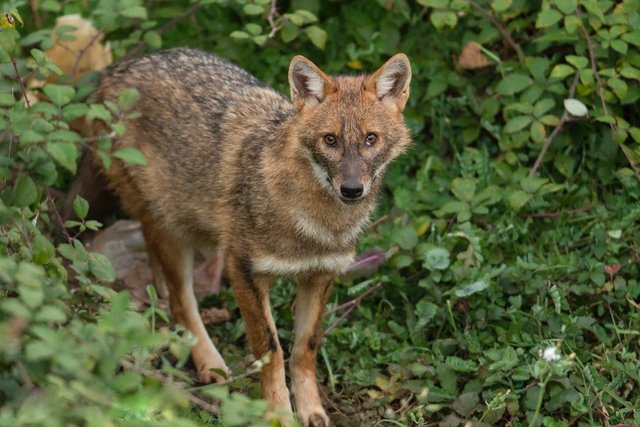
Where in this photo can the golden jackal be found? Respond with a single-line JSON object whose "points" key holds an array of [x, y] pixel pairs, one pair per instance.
{"points": [[284, 187]]}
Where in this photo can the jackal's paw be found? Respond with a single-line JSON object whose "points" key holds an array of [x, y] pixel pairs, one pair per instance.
{"points": [[315, 419], [209, 373]]}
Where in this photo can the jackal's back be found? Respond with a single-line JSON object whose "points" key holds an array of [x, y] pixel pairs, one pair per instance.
{"points": [[195, 110]]}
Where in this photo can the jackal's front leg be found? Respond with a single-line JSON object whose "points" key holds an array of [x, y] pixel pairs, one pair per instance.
{"points": [[252, 294], [312, 295]]}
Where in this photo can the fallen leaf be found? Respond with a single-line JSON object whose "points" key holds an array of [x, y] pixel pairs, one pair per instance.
{"points": [[472, 57]]}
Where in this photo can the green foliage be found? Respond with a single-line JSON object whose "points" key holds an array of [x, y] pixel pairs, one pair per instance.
{"points": [[510, 293]]}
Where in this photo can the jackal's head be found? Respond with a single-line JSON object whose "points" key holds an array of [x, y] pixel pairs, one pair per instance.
{"points": [[351, 127]]}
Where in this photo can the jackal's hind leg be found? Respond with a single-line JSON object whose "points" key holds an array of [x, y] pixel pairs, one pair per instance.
{"points": [[174, 260], [312, 295]]}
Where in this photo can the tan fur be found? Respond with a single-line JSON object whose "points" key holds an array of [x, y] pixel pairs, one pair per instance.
{"points": [[233, 164]]}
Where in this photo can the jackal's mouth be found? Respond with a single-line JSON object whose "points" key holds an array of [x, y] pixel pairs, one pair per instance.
{"points": [[351, 201]]}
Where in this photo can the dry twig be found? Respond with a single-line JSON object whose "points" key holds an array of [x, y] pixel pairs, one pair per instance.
{"points": [[273, 14], [82, 52], [350, 306], [556, 130], [505, 34]]}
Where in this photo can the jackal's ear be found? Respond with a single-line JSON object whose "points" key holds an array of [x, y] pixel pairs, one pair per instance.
{"points": [[390, 82], [309, 85]]}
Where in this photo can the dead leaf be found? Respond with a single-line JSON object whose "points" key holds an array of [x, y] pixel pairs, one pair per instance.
{"points": [[79, 56], [472, 57], [215, 316]]}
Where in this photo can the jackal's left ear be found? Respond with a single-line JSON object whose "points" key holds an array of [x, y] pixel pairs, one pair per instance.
{"points": [[390, 82], [309, 85]]}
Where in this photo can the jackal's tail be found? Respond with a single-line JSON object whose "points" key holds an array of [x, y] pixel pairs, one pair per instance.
{"points": [[91, 184]]}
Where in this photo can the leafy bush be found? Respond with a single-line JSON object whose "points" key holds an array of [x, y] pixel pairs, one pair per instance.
{"points": [[510, 292]]}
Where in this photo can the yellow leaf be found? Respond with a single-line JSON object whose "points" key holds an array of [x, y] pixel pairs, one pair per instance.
{"points": [[7, 21]]}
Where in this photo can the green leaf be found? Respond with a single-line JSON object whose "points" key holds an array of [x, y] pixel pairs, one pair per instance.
{"points": [[131, 155], [543, 106], [579, 62], [98, 111], [513, 84], [405, 237], [42, 251], [239, 35], [441, 19], [253, 9], [128, 99], [153, 39], [464, 188], [619, 87], [619, 46], [547, 18], [517, 123], [317, 35], [561, 71], [501, 5], [538, 132], [25, 193], [630, 73], [568, 7], [80, 207], [135, 12], [517, 199], [59, 94], [632, 38], [472, 288], [437, 4], [466, 403], [436, 259], [531, 184], [101, 268], [65, 153], [575, 107], [253, 29], [457, 364], [74, 111]]}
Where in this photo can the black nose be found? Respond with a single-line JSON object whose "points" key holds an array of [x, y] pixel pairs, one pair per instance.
{"points": [[351, 191]]}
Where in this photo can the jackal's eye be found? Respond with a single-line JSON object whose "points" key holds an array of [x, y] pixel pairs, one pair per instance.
{"points": [[330, 139], [371, 138]]}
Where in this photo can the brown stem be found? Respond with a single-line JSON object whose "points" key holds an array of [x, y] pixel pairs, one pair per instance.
{"points": [[57, 216], [350, 306], [20, 82], [212, 409], [83, 51], [605, 110], [355, 300], [273, 14], [505, 34], [556, 130], [555, 214]]}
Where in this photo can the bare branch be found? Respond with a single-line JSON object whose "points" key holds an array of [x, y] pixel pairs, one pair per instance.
{"points": [[20, 80], [83, 51], [350, 306], [556, 130], [273, 14], [505, 34]]}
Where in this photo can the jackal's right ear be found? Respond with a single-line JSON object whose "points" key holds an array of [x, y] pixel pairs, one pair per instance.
{"points": [[309, 85]]}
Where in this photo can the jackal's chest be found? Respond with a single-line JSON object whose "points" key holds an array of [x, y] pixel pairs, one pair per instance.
{"points": [[289, 265], [305, 245]]}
